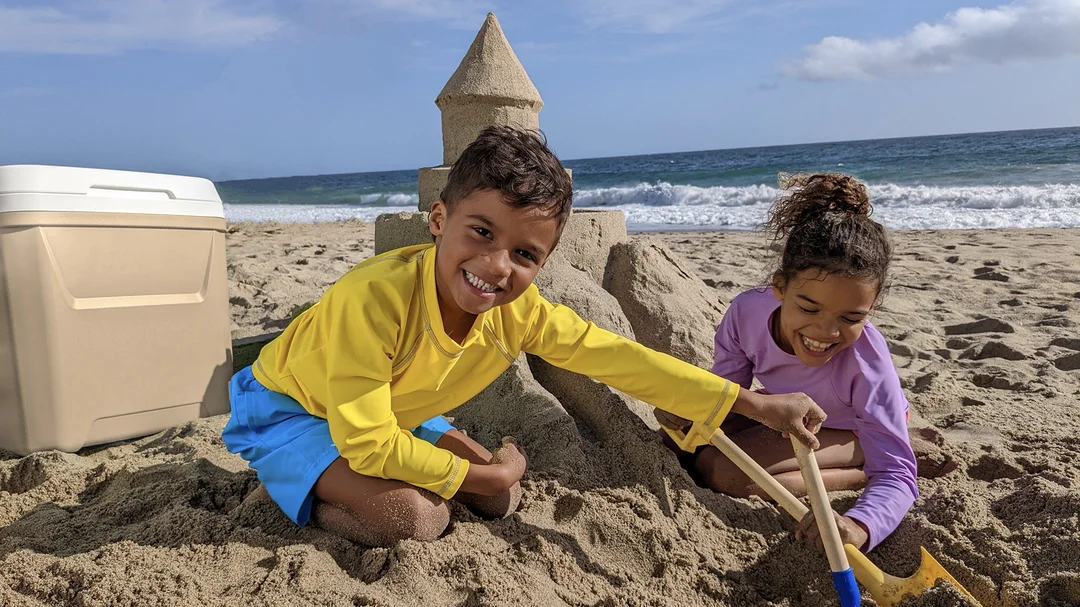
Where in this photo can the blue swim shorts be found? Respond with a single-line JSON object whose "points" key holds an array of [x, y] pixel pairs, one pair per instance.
{"points": [[288, 447]]}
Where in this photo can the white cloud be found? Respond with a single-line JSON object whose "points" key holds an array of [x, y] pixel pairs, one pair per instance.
{"points": [[85, 27], [323, 14], [682, 16], [1023, 30], [653, 16], [420, 10], [113, 26]]}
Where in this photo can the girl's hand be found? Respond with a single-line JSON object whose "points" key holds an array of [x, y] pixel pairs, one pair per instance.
{"points": [[851, 531]]}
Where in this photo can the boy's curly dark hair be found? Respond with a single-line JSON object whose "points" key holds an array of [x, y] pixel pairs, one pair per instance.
{"points": [[516, 162], [824, 222]]}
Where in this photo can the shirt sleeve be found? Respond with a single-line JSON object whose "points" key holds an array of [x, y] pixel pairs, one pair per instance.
{"points": [[362, 422], [559, 336], [890, 466], [729, 358]]}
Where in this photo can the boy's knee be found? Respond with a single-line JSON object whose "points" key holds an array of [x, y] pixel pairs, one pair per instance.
{"points": [[417, 515], [405, 515]]}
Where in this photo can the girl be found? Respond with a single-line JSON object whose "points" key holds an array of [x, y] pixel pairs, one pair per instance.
{"points": [[810, 333]]}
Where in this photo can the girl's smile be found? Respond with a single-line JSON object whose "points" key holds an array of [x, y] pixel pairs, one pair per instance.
{"points": [[821, 314]]}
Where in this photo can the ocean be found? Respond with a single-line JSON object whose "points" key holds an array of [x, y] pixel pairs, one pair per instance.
{"points": [[981, 180]]}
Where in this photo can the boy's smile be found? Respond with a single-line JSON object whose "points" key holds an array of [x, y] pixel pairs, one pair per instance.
{"points": [[488, 253], [821, 314]]}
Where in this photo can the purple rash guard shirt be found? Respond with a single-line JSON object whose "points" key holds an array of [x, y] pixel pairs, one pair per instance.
{"points": [[858, 389]]}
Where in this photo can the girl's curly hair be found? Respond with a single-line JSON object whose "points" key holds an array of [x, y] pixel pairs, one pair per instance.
{"points": [[823, 221]]}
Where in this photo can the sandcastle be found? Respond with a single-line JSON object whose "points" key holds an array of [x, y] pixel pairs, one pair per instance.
{"points": [[635, 287]]}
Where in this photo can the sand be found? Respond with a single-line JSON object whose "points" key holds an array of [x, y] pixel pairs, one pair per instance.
{"points": [[982, 327]]}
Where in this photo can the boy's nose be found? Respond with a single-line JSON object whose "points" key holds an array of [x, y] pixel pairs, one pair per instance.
{"points": [[499, 263]]}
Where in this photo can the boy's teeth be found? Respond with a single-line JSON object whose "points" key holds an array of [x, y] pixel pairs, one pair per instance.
{"points": [[816, 346], [479, 284]]}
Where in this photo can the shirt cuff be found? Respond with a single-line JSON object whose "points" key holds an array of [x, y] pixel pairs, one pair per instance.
{"points": [[457, 476], [723, 405], [871, 541]]}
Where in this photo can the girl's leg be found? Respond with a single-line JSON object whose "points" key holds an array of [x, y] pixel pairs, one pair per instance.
{"points": [[732, 425], [488, 506], [840, 459]]}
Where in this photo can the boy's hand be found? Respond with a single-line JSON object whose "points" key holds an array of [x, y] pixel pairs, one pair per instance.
{"points": [[506, 468], [851, 531], [792, 414], [510, 459], [671, 421]]}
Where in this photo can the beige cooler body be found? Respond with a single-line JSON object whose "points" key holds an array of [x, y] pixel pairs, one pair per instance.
{"points": [[114, 314]]}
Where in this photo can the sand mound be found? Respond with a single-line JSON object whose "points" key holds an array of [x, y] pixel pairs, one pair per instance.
{"points": [[670, 308], [607, 517]]}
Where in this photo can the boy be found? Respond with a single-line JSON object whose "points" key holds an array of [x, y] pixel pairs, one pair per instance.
{"points": [[324, 415]]}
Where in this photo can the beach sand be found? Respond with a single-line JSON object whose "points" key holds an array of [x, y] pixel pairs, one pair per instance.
{"points": [[983, 330]]}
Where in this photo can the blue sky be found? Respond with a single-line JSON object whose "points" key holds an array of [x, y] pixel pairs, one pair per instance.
{"points": [[254, 88]]}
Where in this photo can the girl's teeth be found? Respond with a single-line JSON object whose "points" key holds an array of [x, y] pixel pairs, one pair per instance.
{"points": [[815, 346], [479, 284]]}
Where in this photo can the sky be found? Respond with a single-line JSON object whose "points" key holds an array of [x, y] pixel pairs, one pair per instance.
{"points": [[230, 89]]}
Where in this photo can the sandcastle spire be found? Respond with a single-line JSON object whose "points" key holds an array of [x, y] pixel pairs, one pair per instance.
{"points": [[489, 87]]}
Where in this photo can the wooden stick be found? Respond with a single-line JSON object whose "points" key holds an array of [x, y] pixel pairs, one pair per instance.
{"points": [[819, 500], [751, 468]]}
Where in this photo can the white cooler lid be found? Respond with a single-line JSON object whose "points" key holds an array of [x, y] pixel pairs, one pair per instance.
{"points": [[41, 188]]}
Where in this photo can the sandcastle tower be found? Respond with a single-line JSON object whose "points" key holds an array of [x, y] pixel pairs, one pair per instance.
{"points": [[489, 87]]}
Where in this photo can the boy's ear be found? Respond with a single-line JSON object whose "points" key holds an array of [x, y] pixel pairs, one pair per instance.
{"points": [[437, 218]]}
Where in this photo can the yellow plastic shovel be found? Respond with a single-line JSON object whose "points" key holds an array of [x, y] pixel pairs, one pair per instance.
{"points": [[886, 589]]}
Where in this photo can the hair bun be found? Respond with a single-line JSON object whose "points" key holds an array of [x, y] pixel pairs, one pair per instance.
{"points": [[828, 192]]}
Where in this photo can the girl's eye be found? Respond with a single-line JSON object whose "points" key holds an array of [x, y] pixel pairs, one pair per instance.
{"points": [[807, 311], [850, 321], [483, 232]]}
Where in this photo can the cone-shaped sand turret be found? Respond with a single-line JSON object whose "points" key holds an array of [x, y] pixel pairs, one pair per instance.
{"points": [[489, 87]]}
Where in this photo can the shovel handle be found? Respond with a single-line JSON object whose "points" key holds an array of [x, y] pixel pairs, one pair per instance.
{"points": [[819, 501], [766, 481]]}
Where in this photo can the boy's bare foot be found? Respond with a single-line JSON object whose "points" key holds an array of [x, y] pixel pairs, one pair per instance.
{"points": [[259, 493], [494, 506]]}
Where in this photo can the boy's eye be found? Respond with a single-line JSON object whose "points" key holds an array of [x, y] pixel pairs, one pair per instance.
{"points": [[483, 232], [807, 310], [526, 255]]}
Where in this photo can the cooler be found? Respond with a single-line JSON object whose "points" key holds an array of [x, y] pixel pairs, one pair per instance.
{"points": [[114, 313]]}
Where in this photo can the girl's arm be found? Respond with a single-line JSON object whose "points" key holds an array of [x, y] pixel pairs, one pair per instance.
{"points": [[890, 465], [729, 358]]}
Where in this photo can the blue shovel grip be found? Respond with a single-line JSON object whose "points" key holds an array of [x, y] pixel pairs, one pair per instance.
{"points": [[844, 582]]}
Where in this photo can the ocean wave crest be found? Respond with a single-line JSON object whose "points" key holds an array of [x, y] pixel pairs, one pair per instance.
{"points": [[390, 199], [664, 194], [663, 205]]}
